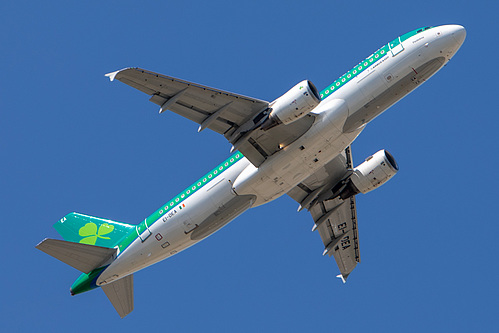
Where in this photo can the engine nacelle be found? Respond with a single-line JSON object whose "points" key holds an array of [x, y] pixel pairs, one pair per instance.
{"points": [[374, 172], [296, 103]]}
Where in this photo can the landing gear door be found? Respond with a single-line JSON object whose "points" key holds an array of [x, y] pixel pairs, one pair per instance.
{"points": [[396, 46]]}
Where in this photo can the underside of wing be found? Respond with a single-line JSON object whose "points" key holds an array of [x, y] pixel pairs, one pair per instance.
{"points": [[258, 144], [191, 100], [334, 218], [83, 257], [239, 118]]}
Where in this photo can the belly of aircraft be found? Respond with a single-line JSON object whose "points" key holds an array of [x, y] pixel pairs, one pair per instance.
{"points": [[390, 96], [293, 164]]}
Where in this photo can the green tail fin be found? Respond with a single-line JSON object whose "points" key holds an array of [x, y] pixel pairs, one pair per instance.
{"points": [[91, 230]]}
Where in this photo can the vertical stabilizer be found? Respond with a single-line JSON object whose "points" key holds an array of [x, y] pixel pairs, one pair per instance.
{"points": [[91, 230]]}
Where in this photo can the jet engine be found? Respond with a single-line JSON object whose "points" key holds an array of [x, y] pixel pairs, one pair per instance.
{"points": [[374, 172], [295, 104]]}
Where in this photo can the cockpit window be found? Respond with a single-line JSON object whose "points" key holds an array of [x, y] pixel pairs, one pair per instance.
{"points": [[423, 29], [412, 33]]}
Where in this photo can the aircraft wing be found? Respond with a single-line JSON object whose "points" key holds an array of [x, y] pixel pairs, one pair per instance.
{"points": [[335, 219], [235, 116]]}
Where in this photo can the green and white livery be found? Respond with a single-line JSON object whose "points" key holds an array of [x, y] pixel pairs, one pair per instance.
{"points": [[297, 145]]}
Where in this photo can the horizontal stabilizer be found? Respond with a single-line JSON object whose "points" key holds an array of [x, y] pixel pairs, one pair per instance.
{"points": [[120, 293], [83, 257]]}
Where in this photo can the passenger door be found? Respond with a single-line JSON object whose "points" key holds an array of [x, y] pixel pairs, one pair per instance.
{"points": [[396, 46]]}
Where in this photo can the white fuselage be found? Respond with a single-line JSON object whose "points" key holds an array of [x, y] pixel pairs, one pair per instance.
{"points": [[340, 118]]}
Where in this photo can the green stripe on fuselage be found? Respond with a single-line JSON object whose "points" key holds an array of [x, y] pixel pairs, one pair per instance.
{"points": [[368, 62], [177, 201]]}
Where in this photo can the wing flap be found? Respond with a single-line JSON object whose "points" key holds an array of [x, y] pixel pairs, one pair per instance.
{"points": [[120, 293], [83, 257]]}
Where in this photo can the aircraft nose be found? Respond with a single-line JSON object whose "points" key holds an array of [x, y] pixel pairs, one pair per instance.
{"points": [[459, 33]]}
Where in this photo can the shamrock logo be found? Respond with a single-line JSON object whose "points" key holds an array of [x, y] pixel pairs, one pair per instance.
{"points": [[90, 233]]}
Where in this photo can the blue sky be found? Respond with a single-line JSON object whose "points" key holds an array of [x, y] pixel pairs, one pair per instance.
{"points": [[73, 141]]}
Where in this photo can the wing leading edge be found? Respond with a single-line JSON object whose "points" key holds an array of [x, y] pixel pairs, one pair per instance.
{"points": [[334, 218]]}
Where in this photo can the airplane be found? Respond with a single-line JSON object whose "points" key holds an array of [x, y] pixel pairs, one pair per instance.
{"points": [[299, 145]]}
